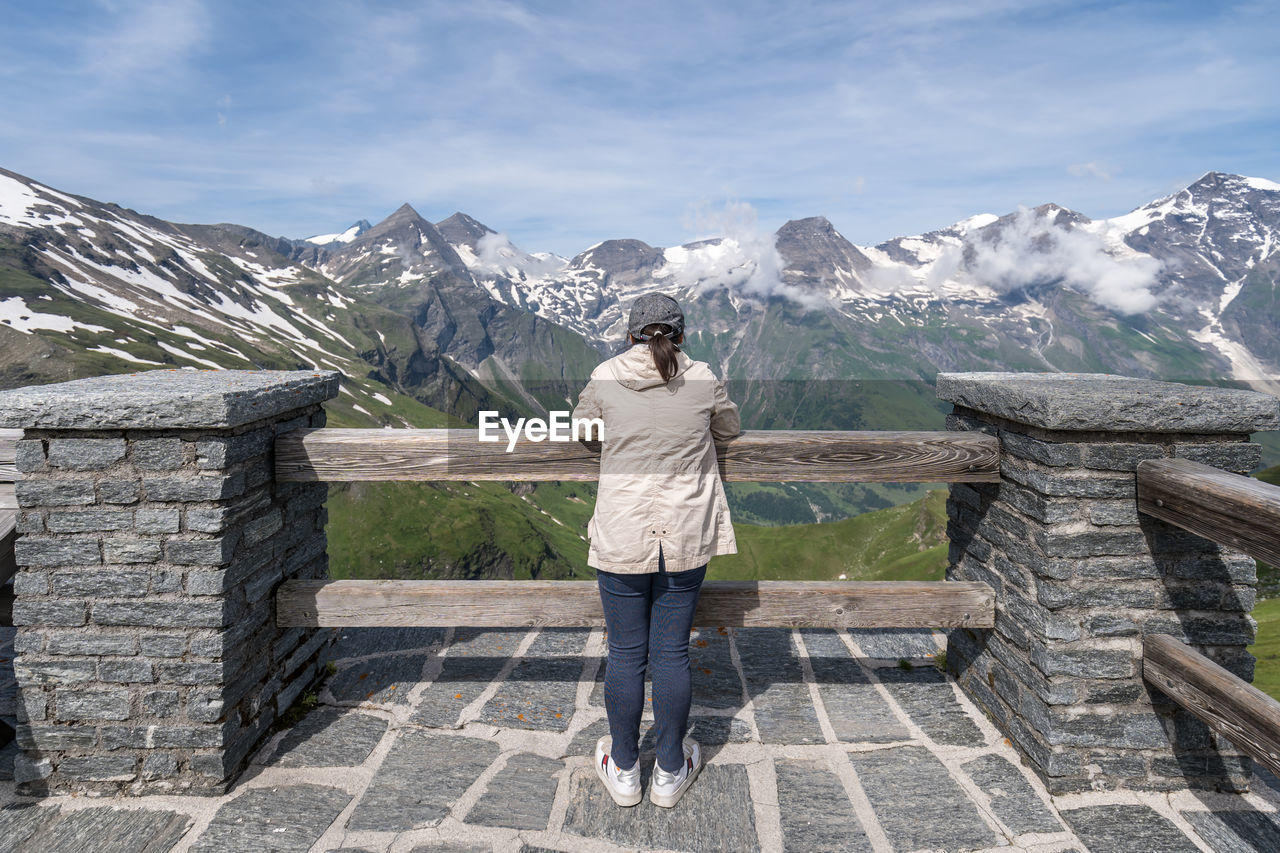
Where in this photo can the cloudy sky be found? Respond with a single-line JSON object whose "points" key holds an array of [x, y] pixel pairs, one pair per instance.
{"points": [[566, 123]]}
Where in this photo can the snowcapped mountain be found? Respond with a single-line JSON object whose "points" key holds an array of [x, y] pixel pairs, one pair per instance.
{"points": [[334, 241], [449, 312], [88, 288], [1149, 293]]}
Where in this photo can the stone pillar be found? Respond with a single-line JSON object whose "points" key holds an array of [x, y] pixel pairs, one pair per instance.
{"points": [[151, 537], [1080, 576]]}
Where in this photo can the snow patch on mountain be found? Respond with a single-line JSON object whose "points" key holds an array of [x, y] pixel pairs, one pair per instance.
{"points": [[1261, 184], [15, 314], [127, 356], [19, 203], [341, 237]]}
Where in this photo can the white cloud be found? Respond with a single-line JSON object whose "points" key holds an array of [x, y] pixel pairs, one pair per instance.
{"points": [[742, 257], [1029, 249], [1082, 170], [153, 36], [496, 254]]}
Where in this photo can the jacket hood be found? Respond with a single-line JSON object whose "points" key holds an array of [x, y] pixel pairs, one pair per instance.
{"points": [[635, 369]]}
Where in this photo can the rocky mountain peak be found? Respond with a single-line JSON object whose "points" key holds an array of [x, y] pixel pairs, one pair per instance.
{"points": [[619, 257], [813, 247], [461, 229]]}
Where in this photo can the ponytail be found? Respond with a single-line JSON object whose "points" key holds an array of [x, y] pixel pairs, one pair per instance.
{"points": [[663, 349]]}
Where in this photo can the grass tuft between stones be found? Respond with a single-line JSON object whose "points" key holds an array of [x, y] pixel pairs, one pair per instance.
{"points": [[306, 702]]}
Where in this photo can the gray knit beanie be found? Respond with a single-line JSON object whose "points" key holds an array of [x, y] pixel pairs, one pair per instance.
{"points": [[655, 308]]}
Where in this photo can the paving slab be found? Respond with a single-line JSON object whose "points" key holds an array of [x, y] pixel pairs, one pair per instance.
{"points": [[273, 820], [520, 796], [383, 681], [330, 737], [784, 711], [540, 693], [20, 822], [452, 847], [361, 642], [1126, 829], [815, 810], [419, 779], [929, 700], [474, 659], [1264, 776], [710, 732], [715, 814], [108, 830], [895, 643], [1236, 831], [1012, 798], [856, 710], [715, 679], [917, 801]]}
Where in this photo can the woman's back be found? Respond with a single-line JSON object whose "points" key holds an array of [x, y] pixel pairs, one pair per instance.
{"points": [[659, 483], [652, 426]]}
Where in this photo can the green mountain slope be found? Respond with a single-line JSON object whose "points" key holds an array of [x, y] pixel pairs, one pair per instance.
{"points": [[905, 542], [493, 530]]}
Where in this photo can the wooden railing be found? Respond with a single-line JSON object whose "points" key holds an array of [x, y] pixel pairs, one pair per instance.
{"points": [[1230, 509], [517, 604], [1228, 704], [1242, 513], [759, 456]]}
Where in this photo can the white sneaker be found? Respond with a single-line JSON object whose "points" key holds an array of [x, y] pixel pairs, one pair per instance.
{"points": [[623, 785], [667, 788]]}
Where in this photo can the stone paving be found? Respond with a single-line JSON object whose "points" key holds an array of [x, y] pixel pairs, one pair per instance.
{"points": [[478, 740]]}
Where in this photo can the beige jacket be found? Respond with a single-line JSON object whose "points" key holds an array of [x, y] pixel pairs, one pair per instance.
{"points": [[659, 482]]}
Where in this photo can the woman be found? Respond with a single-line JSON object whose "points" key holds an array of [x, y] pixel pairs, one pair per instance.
{"points": [[660, 516]]}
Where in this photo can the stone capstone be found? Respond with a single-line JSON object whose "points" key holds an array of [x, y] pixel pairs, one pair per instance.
{"points": [[161, 399], [1109, 403]]}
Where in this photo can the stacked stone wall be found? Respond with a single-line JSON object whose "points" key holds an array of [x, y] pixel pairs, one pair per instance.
{"points": [[1080, 577], [147, 655]]}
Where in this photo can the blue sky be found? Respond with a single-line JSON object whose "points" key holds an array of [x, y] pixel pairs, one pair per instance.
{"points": [[565, 123]]}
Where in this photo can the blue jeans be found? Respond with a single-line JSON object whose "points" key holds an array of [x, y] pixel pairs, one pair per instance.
{"points": [[648, 618]]}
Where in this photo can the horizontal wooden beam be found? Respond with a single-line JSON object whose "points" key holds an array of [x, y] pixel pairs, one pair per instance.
{"points": [[9, 439], [1230, 509], [817, 456], [1229, 705], [8, 454], [511, 604]]}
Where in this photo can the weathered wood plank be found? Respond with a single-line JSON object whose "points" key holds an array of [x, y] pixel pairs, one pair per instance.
{"points": [[1230, 509], [8, 498], [9, 445], [839, 604], [1226, 703], [819, 456]]}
